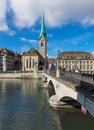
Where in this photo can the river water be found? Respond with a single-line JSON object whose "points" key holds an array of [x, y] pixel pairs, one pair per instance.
{"points": [[24, 106]]}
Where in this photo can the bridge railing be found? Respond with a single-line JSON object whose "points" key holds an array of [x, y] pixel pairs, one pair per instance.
{"points": [[71, 76], [85, 80], [52, 72]]}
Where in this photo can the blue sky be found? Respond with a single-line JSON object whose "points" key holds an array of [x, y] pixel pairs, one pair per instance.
{"points": [[69, 25]]}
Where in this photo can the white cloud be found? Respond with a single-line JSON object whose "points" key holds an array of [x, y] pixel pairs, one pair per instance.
{"points": [[57, 12], [11, 33], [79, 39], [3, 9], [26, 12], [35, 31], [28, 40], [23, 39], [24, 48], [65, 11], [49, 35]]}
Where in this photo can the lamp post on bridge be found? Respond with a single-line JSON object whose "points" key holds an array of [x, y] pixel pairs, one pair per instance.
{"points": [[19, 60], [57, 66]]}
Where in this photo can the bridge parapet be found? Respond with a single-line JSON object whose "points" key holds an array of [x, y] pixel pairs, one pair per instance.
{"points": [[84, 80], [64, 89]]}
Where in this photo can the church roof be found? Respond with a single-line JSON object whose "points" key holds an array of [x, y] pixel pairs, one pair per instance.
{"points": [[1, 49], [9, 52], [43, 30], [31, 52], [77, 54]]}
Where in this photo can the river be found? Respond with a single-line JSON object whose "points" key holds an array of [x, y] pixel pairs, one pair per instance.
{"points": [[24, 106]]}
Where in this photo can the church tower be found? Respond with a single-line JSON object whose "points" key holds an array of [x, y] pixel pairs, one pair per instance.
{"points": [[42, 39]]}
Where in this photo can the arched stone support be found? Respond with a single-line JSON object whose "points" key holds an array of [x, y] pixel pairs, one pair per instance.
{"points": [[61, 90]]}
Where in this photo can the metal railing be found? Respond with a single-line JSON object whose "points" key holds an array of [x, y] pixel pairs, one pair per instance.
{"points": [[71, 76], [52, 72], [84, 80]]}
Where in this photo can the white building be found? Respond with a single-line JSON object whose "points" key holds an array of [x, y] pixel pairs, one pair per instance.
{"points": [[9, 60], [76, 61]]}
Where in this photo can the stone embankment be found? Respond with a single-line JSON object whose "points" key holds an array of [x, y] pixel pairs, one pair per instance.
{"points": [[20, 75]]}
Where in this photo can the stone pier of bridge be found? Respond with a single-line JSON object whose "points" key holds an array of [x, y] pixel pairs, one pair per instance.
{"points": [[64, 88]]}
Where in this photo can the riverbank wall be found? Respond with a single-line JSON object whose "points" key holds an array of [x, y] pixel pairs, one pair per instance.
{"points": [[20, 75]]}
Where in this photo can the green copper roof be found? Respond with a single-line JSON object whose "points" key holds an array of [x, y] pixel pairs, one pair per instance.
{"points": [[43, 30]]}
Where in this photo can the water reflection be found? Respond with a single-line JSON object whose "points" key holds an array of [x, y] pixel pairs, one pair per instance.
{"points": [[24, 106]]}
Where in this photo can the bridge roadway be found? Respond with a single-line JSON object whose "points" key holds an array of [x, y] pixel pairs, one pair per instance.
{"points": [[64, 88]]}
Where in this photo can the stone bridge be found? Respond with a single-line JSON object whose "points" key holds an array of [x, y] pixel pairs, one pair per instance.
{"points": [[64, 89]]}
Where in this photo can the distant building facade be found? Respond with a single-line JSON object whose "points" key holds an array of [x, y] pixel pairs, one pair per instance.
{"points": [[9, 60], [52, 63], [38, 58], [76, 61]]}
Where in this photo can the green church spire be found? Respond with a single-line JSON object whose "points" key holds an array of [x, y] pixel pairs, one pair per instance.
{"points": [[43, 30]]}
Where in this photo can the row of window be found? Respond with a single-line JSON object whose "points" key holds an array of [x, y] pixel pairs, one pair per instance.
{"points": [[75, 62], [75, 57], [76, 67], [29, 63]]}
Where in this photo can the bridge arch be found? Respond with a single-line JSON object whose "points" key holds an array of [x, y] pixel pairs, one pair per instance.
{"points": [[50, 83], [63, 89], [45, 78], [70, 101]]}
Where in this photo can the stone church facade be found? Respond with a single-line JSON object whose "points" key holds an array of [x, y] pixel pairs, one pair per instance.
{"points": [[36, 58]]}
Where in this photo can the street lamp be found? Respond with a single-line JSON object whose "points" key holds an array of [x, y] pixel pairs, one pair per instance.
{"points": [[19, 59], [58, 57], [57, 68], [58, 53]]}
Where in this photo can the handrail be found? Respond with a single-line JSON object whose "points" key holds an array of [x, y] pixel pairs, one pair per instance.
{"points": [[81, 79]]}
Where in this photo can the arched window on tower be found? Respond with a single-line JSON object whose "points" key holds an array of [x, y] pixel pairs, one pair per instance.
{"points": [[41, 44]]}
